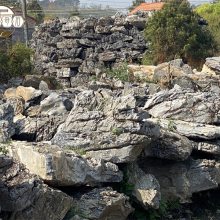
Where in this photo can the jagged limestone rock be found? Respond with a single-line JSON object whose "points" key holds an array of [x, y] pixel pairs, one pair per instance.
{"points": [[106, 127], [7, 128], [38, 128], [63, 168], [212, 65], [101, 204], [185, 105], [146, 188], [169, 145], [188, 129], [24, 196], [179, 180]]}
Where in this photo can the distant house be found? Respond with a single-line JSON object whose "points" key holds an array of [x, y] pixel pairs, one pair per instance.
{"points": [[148, 8], [18, 33]]}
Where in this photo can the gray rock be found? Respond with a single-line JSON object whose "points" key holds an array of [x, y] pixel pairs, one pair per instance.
{"points": [[212, 147], [136, 21], [179, 180], [55, 104], [170, 146], [37, 128], [63, 168], [102, 204], [24, 196], [188, 129], [213, 63], [107, 56], [105, 126], [146, 187], [43, 86], [178, 104], [7, 128], [170, 70]]}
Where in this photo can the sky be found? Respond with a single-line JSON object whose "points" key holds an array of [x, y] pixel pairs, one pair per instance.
{"points": [[124, 3]]}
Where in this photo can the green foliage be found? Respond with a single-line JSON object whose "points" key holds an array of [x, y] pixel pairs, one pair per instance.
{"points": [[174, 32], [3, 149], [125, 187], [77, 150], [121, 72], [117, 131], [210, 12], [171, 125], [16, 61], [36, 11], [166, 208]]}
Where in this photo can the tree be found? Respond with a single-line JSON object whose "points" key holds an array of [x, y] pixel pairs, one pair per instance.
{"points": [[35, 10], [211, 12], [135, 3], [174, 32]]}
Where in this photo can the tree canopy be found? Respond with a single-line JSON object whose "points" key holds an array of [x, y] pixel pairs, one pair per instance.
{"points": [[211, 13], [35, 10], [174, 32]]}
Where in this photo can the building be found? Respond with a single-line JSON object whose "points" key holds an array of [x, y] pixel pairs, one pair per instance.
{"points": [[148, 8], [18, 33]]}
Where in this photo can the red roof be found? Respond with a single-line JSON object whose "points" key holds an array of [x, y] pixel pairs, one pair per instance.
{"points": [[148, 7]]}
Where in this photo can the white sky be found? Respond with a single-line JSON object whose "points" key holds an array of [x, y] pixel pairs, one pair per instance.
{"points": [[124, 3]]}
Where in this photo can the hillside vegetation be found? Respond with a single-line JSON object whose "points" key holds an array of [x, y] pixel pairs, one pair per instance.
{"points": [[174, 32], [211, 13]]}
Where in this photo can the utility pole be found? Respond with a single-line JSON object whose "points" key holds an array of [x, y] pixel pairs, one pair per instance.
{"points": [[24, 13]]}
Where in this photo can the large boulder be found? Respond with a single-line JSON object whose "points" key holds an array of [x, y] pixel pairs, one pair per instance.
{"points": [[146, 188], [24, 196], [212, 66], [179, 180], [169, 145], [101, 204], [185, 105], [63, 168], [188, 129], [106, 127], [37, 128], [28, 93], [55, 104]]}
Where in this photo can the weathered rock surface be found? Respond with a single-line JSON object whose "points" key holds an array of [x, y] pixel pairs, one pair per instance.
{"points": [[27, 93], [55, 104], [169, 145], [212, 65], [37, 128], [146, 187], [106, 127], [188, 129], [87, 45], [61, 168], [6, 122], [180, 180], [102, 204], [212, 147], [23, 196], [178, 104]]}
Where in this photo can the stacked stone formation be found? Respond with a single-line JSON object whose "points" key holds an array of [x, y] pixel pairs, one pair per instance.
{"points": [[65, 48]]}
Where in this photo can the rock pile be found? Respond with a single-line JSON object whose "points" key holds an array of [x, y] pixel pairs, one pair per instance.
{"points": [[92, 141], [73, 49], [79, 138]]}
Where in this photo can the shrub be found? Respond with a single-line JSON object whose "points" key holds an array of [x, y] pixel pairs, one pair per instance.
{"points": [[16, 61], [210, 12], [174, 32], [121, 72]]}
